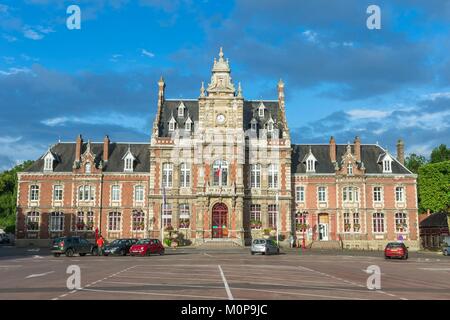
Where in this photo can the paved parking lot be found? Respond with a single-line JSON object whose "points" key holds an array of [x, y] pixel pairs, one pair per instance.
{"points": [[228, 274]]}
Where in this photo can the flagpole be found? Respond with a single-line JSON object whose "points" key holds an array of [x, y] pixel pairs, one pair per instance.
{"points": [[278, 218], [162, 212]]}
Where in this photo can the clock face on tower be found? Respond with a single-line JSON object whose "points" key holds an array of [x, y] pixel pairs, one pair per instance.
{"points": [[220, 118]]}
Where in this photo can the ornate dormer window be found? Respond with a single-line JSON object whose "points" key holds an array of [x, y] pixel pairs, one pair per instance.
{"points": [[270, 125], [261, 110], [49, 160], [310, 162], [88, 168], [253, 124], [128, 159], [386, 162], [181, 110], [350, 169], [172, 124], [188, 124]]}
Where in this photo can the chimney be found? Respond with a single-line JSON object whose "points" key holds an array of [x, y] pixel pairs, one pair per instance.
{"points": [[161, 89], [332, 149], [357, 143], [106, 142], [401, 151], [281, 91], [78, 148]]}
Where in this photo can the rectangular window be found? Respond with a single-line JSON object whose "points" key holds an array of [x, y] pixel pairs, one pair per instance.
{"points": [[378, 222], [356, 224], [377, 194], [273, 176], [184, 218], [166, 214], [255, 216], [347, 224], [273, 213], [185, 175], [57, 193], [33, 221], [167, 175], [322, 194], [139, 193], [56, 222], [300, 194], [138, 220], [85, 193], [399, 194], [401, 222], [114, 221], [301, 221], [255, 177], [115, 193], [34, 193]]}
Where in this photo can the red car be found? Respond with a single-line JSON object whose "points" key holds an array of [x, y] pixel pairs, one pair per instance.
{"points": [[145, 247], [396, 250]]}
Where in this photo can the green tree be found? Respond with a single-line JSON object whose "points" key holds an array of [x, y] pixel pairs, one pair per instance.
{"points": [[413, 162], [8, 196], [434, 186], [440, 154]]}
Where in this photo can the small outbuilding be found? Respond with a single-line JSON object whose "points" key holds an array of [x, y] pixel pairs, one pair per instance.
{"points": [[433, 230]]}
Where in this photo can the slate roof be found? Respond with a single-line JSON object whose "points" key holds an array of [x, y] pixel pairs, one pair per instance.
{"points": [[436, 220], [369, 156], [170, 108], [66, 156]]}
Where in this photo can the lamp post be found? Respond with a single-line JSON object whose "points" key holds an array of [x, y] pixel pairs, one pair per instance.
{"points": [[278, 218]]}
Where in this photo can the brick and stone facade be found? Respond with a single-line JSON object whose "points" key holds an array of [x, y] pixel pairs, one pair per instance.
{"points": [[219, 168]]}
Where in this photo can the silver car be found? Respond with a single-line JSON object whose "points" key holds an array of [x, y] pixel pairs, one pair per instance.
{"points": [[446, 246], [264, 246]]}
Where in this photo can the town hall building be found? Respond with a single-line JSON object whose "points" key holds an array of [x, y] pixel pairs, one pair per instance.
{"points": [[220, 169]]}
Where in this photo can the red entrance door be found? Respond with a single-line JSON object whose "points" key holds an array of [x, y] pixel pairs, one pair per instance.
{"points": [[219, 221]]}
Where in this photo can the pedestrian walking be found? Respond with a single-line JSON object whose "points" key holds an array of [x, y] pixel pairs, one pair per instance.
{"points": [[291, 240], [100, 243]]}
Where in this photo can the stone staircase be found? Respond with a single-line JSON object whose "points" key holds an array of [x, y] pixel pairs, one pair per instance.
{"points": [[218, 244], [326, 245]]}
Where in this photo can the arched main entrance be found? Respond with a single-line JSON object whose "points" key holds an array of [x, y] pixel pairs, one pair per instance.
{"points": [[219, 221]]}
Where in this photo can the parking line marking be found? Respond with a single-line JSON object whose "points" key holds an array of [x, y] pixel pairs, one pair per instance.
{"points": [[227, 288], [38, 275], [156, 294]]}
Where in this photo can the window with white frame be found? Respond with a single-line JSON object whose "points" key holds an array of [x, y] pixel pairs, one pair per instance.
{"points": [[322, 194], [188, 125], [114, 221], [129, 161], [310, 165], [167, 175], [399, 194], [86, 193], [347, 223], [87, 168], [387, 165], [255, 216], [220, 173], [138, 223], [401, 222], [255, 176], [34, 193], [270, 125], [166, 214], [350, 169], [33, 221], [181, 110], [115, 193], [139, 193], [273, 214], [57, 192], [300, 194], [261, 111], [273, 176], [253, 125], [56, 222], [48, 163], [377, 194], [378, 222], [172, 123], [185, 175], [184, 216], [350, 194]]}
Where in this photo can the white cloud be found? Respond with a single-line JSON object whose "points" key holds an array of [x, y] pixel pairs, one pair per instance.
{"points": [[31, 34], [9, 139], [147, 53], [14, 71], [9, 38], [437, 95], [357, 114], [310, 35]]}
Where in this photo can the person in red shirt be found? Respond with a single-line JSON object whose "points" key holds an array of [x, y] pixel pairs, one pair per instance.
{"points": [[100, 243]]}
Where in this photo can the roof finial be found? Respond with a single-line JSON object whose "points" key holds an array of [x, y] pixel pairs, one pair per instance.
{"points": [[239, 90], [202, 89], [221, 53]]}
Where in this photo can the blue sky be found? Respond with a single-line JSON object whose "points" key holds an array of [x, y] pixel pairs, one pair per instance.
{"points": [[341, 78]]}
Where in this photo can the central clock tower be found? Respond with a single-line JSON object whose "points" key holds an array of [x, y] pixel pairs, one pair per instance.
{"points": [[220, 106]]}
